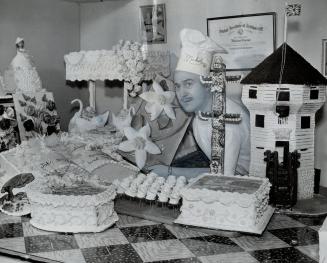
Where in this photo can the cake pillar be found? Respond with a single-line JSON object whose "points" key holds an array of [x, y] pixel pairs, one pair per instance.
{"points": [[91, 85], [125, 97]]}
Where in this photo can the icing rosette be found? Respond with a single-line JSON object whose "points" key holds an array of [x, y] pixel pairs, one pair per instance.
{"points": [[160, 180], [125, 184], [164, 193], [153, 190], [151, 194], [175, 196], [149, 181], [181, 181], [152, 175], [140, 178], [171, 180], [132, 190], [143, 189]]}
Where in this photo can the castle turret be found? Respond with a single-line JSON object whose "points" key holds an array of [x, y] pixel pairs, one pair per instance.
{"points": [[283, 94]]}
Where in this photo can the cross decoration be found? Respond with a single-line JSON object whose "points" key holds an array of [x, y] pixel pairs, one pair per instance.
{"points": [[217, 83]]}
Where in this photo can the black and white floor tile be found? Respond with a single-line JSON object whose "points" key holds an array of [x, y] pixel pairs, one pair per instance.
{"points": [[287, 239]]}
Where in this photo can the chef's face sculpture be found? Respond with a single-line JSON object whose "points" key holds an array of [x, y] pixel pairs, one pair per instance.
{"points": [[191, 93]]}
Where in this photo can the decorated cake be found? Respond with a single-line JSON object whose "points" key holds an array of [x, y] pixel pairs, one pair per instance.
{"points": [[41, 156], [237, 203], [69, 200]]}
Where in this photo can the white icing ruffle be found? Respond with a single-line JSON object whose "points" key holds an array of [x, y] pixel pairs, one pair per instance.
{"points": [[107, 64], [227, 198], [34, 193]]}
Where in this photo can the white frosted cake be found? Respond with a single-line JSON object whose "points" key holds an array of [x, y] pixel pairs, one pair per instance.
{"points": [[66, 201], [237, 203]]}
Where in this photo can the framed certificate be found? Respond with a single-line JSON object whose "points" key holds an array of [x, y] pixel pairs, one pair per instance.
{"points": [[249, 39]]}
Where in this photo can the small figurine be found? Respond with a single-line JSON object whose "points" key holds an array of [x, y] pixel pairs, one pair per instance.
{"points": [[26, 78], [18, 204]]}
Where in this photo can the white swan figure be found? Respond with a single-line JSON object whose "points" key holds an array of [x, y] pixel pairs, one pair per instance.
{"points": [[85, 120]]}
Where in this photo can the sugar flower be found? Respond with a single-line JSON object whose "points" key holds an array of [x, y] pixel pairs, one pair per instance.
{"points": [[139, 142], [159, 101]]}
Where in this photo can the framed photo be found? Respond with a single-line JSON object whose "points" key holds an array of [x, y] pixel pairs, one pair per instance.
{"points": [[324, 57], [36, 114], [153, 24], [9, 133], [248, 39]]}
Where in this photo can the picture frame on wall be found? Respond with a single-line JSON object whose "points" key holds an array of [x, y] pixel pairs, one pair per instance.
{"points": [[9, 132], [153, 24], [248, 39], [324, 57]]}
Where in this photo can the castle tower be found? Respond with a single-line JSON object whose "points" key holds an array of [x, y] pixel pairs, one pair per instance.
{"points": [[282, 112]]}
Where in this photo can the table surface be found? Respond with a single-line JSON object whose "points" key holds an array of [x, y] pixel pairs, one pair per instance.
{"points": [[287, 238]]}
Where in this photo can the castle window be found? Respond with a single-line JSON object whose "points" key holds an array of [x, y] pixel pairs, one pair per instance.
{"points": [[260, 121], [253, 92], [314, 94], [283, 111], [283, 95], [305, 122]]}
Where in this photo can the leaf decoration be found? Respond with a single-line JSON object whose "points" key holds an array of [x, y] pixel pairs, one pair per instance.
{"points": [[22, 117], [22, 103], [44, 98], [27, 98], [33, 100]]}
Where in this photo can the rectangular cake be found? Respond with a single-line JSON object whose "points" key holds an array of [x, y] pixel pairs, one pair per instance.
{"points": [[236, 203]]}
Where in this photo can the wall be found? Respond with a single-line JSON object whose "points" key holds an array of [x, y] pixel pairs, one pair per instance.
{"points": [[104, 24], [51, 30]]}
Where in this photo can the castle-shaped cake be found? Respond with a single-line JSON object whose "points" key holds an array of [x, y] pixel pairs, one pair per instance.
{"points": [[283, 94]]}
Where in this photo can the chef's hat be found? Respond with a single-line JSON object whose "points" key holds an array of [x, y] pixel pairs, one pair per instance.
{"points": [[197, 52], [19, 39]]}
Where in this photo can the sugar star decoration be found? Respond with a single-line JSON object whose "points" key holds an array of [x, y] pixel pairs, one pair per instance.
{"points": [[159, 101], [139, 142]]}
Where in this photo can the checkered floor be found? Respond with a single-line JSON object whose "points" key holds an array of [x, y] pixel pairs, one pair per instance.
{"points": [[132, 240]]}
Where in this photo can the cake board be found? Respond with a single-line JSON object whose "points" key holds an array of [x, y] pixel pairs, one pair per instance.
{"points": [[258, 229], [161, 214], [314, 207]]}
